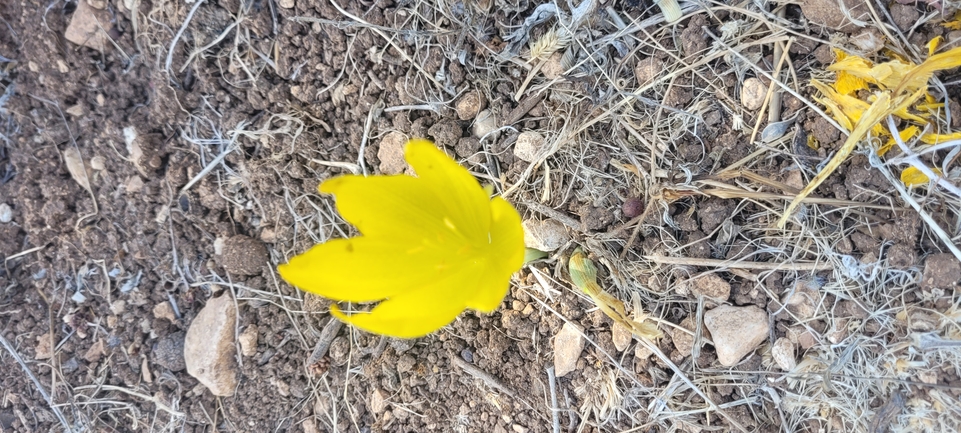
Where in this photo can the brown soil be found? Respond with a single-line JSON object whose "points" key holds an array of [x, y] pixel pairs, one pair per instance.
{"points": [[90, 278]]}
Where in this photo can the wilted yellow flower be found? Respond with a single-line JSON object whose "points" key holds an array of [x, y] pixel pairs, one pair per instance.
{"points": [[905, 135], [430, 247], [911, 176], [940, 138], [845, 83], [955, 23]]}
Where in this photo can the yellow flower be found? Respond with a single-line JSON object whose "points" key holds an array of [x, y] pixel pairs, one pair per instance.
{"points": [[430, 247]]}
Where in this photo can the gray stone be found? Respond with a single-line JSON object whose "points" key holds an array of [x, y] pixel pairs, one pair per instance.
{"points": [[736, 331], [209, 350], [545, 235], [568, 345], [169, 352]]}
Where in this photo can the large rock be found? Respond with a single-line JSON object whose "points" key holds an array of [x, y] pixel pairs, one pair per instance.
{"points": [[711, 286], [209, 346], [390, 152], [783, 353], [568, 345], [529, 146], [736, 331]]}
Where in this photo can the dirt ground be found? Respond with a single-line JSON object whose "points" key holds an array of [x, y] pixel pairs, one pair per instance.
{"points": [[174, 155]]}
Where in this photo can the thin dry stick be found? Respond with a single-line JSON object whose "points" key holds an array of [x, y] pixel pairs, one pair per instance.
{"points": [[491, 381], [555, 416], [734, 193], [769, 98], [689, 261], [876, 162], [43, 392], [173, 43], [153, 399]]}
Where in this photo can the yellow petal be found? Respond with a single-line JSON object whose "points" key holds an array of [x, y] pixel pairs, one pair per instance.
{"points": [[955, 23], [884, 75], [847, 84], [410, 315], [917, 78], [905, 135], [911, 176], [465, 206], [506, 255], [365, 269], [933, 45], [940, 138], [390, 206], [443, 204]]}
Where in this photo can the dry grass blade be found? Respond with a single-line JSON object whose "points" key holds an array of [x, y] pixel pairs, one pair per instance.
{"points": [[43, 392], [740, 264], [881, 107]]}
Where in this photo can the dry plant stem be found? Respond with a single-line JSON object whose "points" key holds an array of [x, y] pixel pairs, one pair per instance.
{"points": [[43, 392], [527, 81], [769, 98], [876, 162], [210, 167], [734, 193], [557, 215], [491, 381], [375, 111], [173, 43], [160, 404], [555, 416], [780, 52], [327, 336], [215, 41], [801, 267]]}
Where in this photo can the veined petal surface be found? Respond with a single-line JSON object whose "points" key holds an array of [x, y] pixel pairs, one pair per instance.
{"points": [[431, 246]]}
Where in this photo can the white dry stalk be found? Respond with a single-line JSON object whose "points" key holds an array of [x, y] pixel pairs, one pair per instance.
{"points": [[911, 158], [876, 162], [173, 43]]}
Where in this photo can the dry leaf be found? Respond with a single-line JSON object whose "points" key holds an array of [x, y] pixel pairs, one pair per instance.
{"points": [[76, 167]]}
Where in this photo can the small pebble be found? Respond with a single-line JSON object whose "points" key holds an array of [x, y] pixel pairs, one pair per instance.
{"points": [[97, 163], [6, 214], [467, 355], [632, 207]]}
